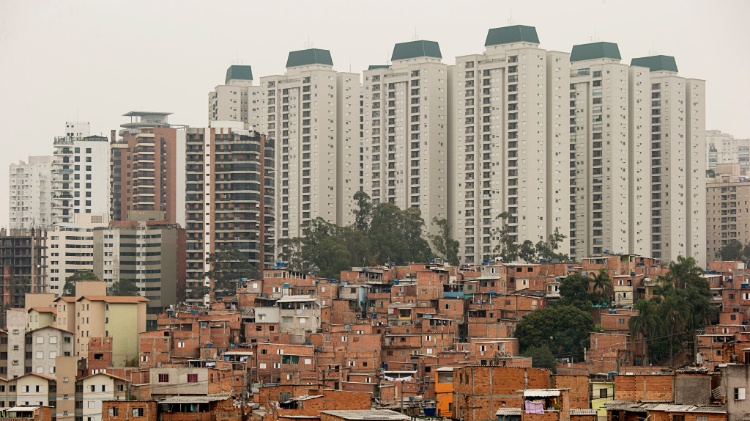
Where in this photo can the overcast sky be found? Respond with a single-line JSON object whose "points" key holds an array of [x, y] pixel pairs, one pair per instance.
{"points": [[96, 60]]}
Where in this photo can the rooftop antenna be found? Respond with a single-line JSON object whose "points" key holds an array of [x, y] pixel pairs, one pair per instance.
{"points": [[416, 37], [594, 38], [510, 18]]}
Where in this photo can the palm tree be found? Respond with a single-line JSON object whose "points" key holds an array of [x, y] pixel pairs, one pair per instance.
{"points": [[602, 284], [684, 271], [645, 323], [674, 313]]}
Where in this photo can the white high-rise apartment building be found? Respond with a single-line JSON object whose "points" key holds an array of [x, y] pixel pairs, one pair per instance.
{"points": [[312, 113], [80, 174], [723, 148], [31, 193], [230, 101], [678, 161], [510, 142], [610, 170], [70, 249], [405, 137]]}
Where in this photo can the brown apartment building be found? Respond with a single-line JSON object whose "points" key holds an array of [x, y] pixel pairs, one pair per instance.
{"points": [[146, 167], [230, 197]]}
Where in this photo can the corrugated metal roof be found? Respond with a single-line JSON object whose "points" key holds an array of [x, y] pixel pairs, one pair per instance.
{"points": [[373, 414], [193, 399], [508, 411], [541, 392]]}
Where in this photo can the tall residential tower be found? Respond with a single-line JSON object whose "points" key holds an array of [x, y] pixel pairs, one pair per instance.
{"points": [[609, 153], [510, 142], [312, 114], [405, 118]]}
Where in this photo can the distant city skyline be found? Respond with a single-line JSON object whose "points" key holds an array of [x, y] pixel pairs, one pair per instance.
{"points": [[90, 61]]}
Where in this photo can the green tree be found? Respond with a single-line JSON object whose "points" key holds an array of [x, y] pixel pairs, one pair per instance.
{"points": [[123, 287], [645, 323], [398, 235], [602, 286], [228, 266], [541, 357], [527, 252], [732, 251], [69, 289], [548, 249], [574, 291], [363, 212], [507, 246], [564, 329], [445, 245]]}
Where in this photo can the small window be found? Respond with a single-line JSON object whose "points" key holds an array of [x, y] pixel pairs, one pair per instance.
{"points": [[739, 393], [113, 411], [192, 378], [163, 378], [137, 412], [602, 393]]}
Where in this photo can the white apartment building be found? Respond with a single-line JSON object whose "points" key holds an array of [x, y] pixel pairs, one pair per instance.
{"points": [[510, 142], [30, 186], [678, 161], [609, 148], [80, 174], [405, 130], [70, 249], [312, 113], [229, 102], [723, 148]]}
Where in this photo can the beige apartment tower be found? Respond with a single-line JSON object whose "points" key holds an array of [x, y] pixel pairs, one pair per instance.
{"points": [[610, 170], [510, 142], [727, 217], [677, 125], [405, 130], [231, 101], [312, 113]]}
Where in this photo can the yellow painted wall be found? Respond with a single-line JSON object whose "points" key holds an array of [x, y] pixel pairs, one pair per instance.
{"points": [[597, 402]]}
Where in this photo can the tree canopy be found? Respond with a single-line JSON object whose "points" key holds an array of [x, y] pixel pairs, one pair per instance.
{"points": [[123, 287], [563, 329], [381, 233], [669, 321], [541, 357], [69, 289], [509, 250], [228, 266], [445, 245]]}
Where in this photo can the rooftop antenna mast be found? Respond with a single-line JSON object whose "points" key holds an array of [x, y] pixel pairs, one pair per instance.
{"points": [[416, 37], [510, 18]]}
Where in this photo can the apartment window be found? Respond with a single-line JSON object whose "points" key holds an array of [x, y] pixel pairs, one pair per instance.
{"points": [[163, 378], [602, 393], [137, 412], [113, 411], [739, 393], [192, 378]]}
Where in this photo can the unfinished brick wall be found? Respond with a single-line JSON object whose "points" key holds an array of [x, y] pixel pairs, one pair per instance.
{"points": [[640, 388], [579, 389]]}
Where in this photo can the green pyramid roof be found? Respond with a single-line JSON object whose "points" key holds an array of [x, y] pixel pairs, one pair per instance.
{"points": [[308, 57], [594, 51], [511, 34], [656, 63], [414, 49], [240, 72]]}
